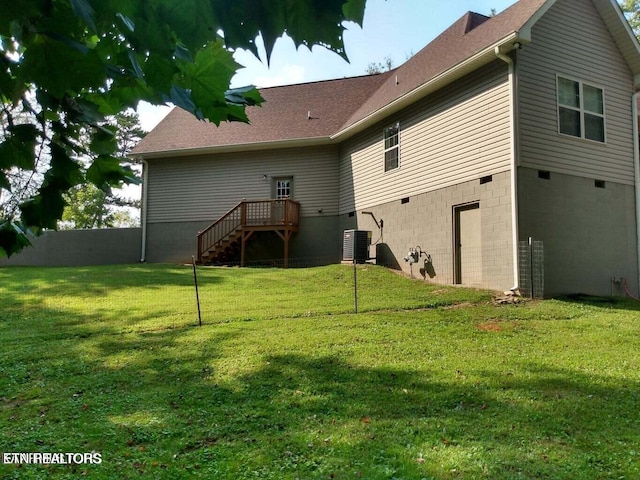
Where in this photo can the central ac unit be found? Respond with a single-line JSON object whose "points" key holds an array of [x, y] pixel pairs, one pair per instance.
{"points": [[355, 245]]}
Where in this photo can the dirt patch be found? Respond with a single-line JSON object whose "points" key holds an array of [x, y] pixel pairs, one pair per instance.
{"points": [[489, 327], [495, 326], [455, 306]]}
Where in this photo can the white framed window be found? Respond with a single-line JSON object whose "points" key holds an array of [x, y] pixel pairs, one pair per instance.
{"points": [[282, 188], [580, 109], [392, 147]]}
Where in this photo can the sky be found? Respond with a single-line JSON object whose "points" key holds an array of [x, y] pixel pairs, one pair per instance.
{"points": [[394, 29]]}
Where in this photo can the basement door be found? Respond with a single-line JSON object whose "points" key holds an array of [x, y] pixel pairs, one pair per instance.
{"points": [[468, 245]]}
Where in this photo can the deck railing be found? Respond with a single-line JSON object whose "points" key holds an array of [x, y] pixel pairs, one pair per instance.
{"points": [[252, 215]]}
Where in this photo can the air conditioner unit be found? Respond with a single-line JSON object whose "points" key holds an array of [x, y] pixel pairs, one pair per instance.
{"points": [[355, 245]]}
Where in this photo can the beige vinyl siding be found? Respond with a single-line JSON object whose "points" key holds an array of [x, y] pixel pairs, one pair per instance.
{"points": [[204, 188], [457, 134], [580, 49]]}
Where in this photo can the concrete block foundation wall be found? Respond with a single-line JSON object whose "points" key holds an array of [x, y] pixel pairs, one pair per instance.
{"points": [[317, 242], [110, 246], [428, 220], [588, 231]]}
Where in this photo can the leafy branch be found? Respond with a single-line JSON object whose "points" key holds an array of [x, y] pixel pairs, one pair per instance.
{"points": [[67, 65]]}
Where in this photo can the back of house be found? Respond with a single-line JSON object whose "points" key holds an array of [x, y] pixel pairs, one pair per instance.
{"points": [[502, 155]]}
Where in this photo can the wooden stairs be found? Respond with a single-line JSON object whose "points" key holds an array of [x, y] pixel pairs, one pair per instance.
{"points": [[220, 242]]}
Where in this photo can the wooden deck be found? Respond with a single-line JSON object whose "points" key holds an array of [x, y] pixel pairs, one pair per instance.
{"points": [[237, 226]]}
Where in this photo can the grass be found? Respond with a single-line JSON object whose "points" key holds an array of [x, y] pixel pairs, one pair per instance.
{"points": [[283, 381]]}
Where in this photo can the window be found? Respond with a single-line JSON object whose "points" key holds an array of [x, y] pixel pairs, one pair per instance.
{"points": [[392, 147], [283, 188], [580, 110]]}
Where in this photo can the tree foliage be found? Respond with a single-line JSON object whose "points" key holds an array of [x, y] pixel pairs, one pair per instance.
{"points": [[631, 9], [65, 65], [375, 68], [88, 206]]}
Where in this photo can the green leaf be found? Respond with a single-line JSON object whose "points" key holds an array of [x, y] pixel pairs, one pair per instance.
{"points": [[182, 53], [208, 78], [77, 70], [64, 172], [12, 239], [151, 34], [248, 95], [307, 22], [159, 72], [354, 11], [137, 70], [127, 22], [18, 150], [181, 97], [13, 12], [83, 9], [4, 182], [11, 89], [103, 141], [192, 21], [107, 171], [44, 210]]}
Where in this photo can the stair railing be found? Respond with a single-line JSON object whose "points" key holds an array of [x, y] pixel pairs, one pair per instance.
{"points": [[221, 228], [247, 213]]}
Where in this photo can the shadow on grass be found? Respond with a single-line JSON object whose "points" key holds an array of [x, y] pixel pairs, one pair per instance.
{"points": [[619, 303], [98, 280], [175, 403], [155, 405]]}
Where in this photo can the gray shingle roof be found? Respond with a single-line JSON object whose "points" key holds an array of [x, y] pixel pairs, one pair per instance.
{"points": [[335, 105], [284, 116]]}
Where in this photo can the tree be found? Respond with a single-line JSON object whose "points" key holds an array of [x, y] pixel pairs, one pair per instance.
{"points": [[631, 9], [376, 68], [65, 65], [88, 206]]}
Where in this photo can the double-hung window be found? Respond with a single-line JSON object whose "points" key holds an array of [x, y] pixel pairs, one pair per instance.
{"points": [[392, 147], [580, 110]]}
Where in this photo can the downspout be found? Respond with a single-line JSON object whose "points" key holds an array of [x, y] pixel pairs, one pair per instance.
{"points": [[143, 211], [513, 107], [636, 167]]}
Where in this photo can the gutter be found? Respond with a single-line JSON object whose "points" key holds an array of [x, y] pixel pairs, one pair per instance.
{"points": [[513, 106], [143, 211], [240, 147], [636, 168]]}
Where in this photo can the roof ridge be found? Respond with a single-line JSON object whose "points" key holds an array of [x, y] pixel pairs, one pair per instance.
{"points": [[453, 45], [326, 80]]}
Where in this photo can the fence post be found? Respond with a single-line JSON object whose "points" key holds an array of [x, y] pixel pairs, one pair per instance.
{"points": [[531, 267], [195, 281], [355, 287]]}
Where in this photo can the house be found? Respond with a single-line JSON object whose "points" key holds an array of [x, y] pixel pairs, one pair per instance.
{"points": [[504, 129]]}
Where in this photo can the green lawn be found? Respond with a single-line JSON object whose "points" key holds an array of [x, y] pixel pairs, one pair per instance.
{"points": [[284, 381]]}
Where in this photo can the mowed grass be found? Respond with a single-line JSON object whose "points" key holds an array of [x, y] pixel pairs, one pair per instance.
{"points": [[284, 381]]}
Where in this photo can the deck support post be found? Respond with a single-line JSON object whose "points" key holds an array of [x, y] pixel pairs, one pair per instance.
{"points": [[285, 235], [239, 223], [245, 235]]}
